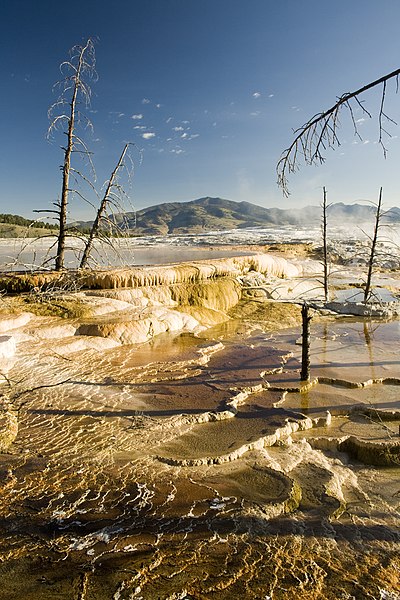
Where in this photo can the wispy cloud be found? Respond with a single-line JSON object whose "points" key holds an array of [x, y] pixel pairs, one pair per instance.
{"points": [[145, 101], [257, 95], [137, 117], [148, 135], [178, 128]]}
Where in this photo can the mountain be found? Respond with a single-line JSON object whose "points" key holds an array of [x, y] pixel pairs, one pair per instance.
{"points": [[209, 214], [216, 214], [204, 214]]}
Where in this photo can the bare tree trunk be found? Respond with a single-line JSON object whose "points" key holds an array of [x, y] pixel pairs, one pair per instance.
{"points": [[100, 212], [65, 189], [63, 206], [305, 347], [367, 289], [325, 248]]}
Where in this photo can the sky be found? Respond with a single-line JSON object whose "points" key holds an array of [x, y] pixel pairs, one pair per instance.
{"points": [[208, 91]]}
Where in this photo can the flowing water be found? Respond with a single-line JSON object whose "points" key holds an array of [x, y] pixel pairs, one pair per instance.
{"points": [[146, 472]]}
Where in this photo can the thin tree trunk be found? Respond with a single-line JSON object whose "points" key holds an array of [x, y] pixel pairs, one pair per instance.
{"points": [[325, 249], [59, 261], [103, 205], [305, 347], [371, 261]]}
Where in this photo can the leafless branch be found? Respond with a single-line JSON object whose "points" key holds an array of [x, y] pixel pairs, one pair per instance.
{"points": [[320, 132], [107, 199]]}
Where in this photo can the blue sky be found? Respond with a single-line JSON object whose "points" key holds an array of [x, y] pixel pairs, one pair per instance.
{"points": [[210, 90]]}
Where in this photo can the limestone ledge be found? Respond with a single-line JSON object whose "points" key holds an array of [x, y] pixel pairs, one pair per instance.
{"points": [[132, 328], [9, 322], [133, 277], [382, 454], [221, 294], [274, 509], [306, 386], [280, 434]]}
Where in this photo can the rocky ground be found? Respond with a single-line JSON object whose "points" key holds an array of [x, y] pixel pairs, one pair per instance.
{"points": [[157, 441]]}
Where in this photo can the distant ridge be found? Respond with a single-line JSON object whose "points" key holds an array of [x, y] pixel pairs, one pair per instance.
{"points": [[217, 214]]}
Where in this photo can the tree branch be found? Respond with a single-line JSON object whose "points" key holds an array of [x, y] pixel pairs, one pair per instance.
{"points": [[319, 132]]}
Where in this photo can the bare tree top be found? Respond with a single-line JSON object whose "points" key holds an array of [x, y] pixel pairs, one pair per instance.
{"points": [[77, 73], [320, 132]]}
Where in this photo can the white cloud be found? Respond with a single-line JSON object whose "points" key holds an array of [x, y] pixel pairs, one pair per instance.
{"points": [[177, 151], [256, 95], [148, 135], [255, 114], [137, 117], [145, 101], [178, 128], [140, 127], [158, 105], [193, 136], [169, 120], [184, 135], [361, 120], [271, 96]]}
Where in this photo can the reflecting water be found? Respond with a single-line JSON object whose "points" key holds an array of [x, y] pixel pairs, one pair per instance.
{"points": [[16, 255], [147, 472]]}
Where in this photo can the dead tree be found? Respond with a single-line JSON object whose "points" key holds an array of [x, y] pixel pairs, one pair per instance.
{"points": [[111, 198], [320, 132], [372, 254], [305, 345], [325, 247], [66, 113]]}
